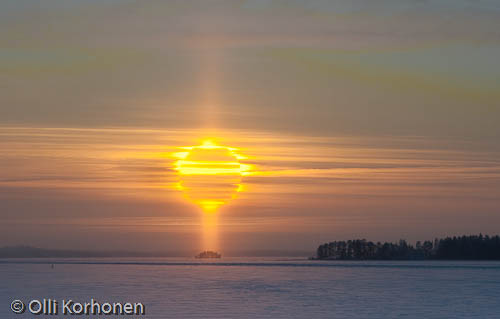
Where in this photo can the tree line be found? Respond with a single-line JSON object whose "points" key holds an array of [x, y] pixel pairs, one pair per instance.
{"points": [[474, 247]]}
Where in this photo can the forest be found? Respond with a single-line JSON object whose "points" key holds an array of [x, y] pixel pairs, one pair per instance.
{"points": [[473, 247]]}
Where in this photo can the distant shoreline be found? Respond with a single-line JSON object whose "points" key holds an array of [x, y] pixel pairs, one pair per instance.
{"points": [[461, 248], [10, 252], [414, 264], [466, 247]]}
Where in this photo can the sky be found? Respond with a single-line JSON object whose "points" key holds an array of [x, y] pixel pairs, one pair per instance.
{"points": [[351, 119]]}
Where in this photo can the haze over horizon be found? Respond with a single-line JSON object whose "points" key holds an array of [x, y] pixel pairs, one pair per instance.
{"points": [[355, 120]]}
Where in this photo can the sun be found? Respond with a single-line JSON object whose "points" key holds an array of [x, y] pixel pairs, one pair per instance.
{"points": [[210, 174]]}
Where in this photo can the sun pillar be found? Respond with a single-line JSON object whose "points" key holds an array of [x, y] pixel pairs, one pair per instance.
{"points": [[210, 176], [210, 234]]}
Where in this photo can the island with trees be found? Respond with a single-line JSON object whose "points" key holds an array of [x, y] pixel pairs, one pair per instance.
{"points": [[208, 254], [474, 247]]}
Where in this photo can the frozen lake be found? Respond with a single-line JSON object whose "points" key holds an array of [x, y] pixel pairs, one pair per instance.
{"points": [[260, 288]]}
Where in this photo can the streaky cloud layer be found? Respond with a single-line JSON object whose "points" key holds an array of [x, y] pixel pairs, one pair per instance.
{"points": [[120, 178]]}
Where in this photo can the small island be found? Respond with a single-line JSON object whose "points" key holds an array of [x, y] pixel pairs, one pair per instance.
{"points": [[208, 254]]}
